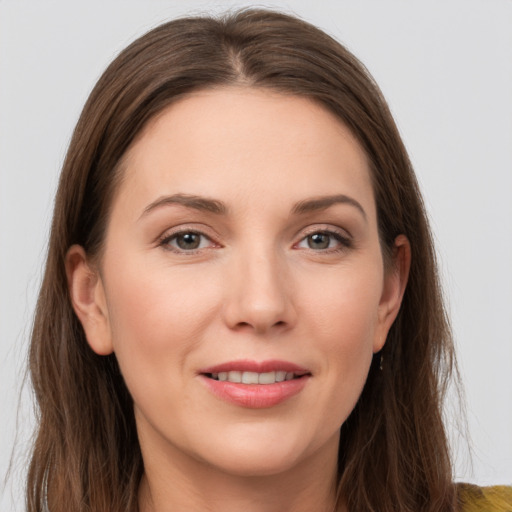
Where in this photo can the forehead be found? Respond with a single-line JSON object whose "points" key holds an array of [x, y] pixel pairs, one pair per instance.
{"points": [[242, 141]]}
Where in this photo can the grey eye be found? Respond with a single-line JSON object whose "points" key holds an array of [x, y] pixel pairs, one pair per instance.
{"points": [[319, 241], [188, 241], [324, 241]]}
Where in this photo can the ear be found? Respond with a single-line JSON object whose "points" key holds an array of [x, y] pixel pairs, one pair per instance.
{"points": [[88, 300], [395, 281]]}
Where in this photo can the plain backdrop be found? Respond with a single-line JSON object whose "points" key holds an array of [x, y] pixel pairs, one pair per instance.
{"points": [[445, 68]]}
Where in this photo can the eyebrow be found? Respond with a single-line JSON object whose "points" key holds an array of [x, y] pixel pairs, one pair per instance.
{"points": [[190, 201], [210, 205], [324, 202]]}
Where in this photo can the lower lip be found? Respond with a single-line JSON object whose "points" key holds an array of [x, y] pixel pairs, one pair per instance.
{"points": [[255, 396]]}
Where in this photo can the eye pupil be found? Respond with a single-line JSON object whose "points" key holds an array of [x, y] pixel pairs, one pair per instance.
{"points": [[318, 241], [188, 241]]}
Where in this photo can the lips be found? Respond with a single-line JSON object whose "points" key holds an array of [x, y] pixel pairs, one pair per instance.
{"points": [[254, 377], [255, 384]]}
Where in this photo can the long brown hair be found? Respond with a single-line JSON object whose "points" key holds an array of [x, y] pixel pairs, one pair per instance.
{"points": [[393, 452]]}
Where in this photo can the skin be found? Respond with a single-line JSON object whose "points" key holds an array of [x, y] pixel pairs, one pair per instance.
{"points": [[258, 287]]}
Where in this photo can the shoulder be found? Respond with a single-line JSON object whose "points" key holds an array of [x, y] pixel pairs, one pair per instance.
{"points": [[473, 498]]}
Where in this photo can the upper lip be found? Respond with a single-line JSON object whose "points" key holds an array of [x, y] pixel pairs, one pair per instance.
{"points": [[245, 365]]}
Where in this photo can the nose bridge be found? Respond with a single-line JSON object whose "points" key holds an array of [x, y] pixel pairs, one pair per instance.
{"points": [[259, 289]]}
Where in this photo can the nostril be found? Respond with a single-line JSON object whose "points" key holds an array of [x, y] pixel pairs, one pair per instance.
{"points": [[260, 326], [259, 312]]}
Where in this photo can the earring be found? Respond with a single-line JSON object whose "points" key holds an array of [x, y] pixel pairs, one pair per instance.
{"points": [[381, 365]]}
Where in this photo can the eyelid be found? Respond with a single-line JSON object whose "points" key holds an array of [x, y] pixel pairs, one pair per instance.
{"points": [[324, 228], [344, 238], [169, 234]]}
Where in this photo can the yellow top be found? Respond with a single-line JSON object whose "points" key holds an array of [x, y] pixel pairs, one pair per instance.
{"points": [[473, 498]]}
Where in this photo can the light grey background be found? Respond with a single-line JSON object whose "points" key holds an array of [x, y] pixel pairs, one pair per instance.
{"points": [[446, 70]]}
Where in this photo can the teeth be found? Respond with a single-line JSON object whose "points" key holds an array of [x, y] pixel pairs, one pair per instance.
{"points": [[280, 376], [250, 378], [235, 376], [254, 377], [267, 378]]}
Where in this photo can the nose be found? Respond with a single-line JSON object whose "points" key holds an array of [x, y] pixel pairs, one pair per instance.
{"points": [[260, 294]]}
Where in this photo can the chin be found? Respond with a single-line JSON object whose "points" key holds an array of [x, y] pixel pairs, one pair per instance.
{"points": [[260, 455], [260, 464]]}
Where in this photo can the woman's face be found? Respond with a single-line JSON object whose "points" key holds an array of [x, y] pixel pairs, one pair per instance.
{"points": [[242, 245]]}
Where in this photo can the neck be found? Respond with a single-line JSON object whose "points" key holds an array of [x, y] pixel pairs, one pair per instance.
{"points": [[178, 482]]}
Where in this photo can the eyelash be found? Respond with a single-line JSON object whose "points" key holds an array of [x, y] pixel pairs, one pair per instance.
{"points": [[166, 240], [344, 242]]}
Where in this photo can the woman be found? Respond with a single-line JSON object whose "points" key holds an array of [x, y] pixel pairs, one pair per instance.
{"points": [[240, 308]]}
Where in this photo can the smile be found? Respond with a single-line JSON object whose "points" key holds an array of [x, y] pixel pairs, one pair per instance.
{"points": [[255, 385], [254, 377]]}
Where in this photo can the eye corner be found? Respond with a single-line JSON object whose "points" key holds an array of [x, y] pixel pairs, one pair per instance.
{"points": [[327, 239], [187, 241]]}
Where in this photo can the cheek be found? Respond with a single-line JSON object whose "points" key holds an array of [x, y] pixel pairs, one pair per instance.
{"points": [[157, 318], [343, 322], [345, 309]]}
